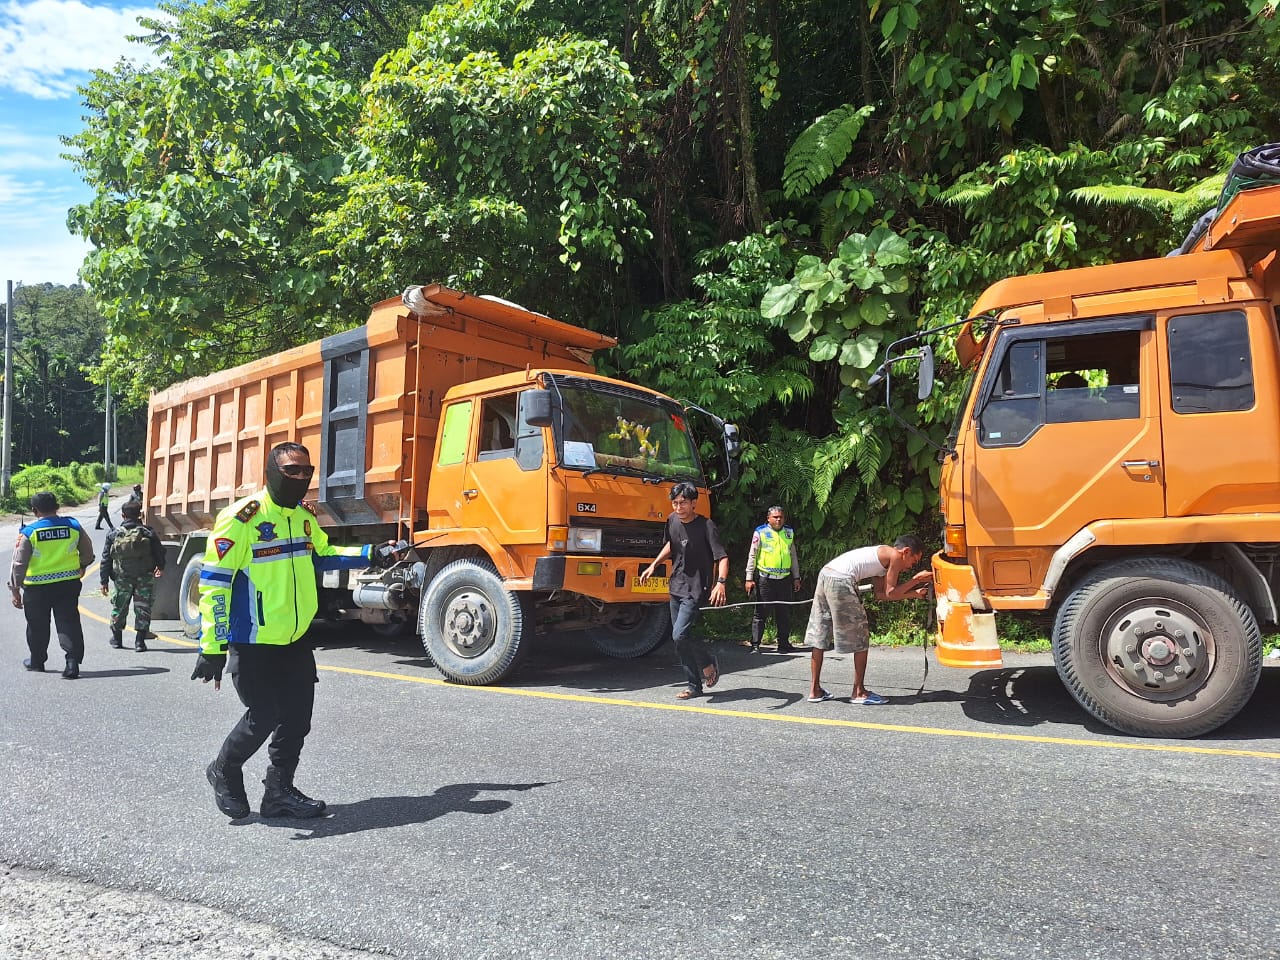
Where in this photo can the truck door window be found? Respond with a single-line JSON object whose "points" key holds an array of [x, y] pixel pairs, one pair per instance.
{"points": [[497, 428], [1012, 412], [453, 433], [1092, 377], [1210, 365]]}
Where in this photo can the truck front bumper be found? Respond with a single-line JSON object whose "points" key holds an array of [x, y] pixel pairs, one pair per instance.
{"points": [[966, 626], [609, 579]]}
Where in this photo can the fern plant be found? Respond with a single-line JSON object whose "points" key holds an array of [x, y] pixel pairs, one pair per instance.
{"points": [[821, 148]]}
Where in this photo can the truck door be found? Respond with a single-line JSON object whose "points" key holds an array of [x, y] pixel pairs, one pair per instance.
{"points": [[1067, 432], [505, 486], [1221, 432]]}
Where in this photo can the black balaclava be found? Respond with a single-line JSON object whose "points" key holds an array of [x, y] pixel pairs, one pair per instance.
{"points": [[285, 491]]}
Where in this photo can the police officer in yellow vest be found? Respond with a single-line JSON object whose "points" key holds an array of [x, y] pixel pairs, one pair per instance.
{"points": [[257, 600], [773, 571], [52, 555]]}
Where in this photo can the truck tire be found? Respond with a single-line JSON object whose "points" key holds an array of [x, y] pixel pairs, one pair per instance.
{"points": [[1157, 647], [636, 629], [472, 628], [189, 597]]}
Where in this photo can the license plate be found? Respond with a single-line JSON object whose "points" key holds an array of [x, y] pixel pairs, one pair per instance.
{"points": [[652, 585]]}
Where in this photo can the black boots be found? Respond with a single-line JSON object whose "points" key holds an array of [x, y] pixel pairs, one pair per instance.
{"points": [[72, 670], [116, 641], [33, 667], [228, 790], [139, 643], [282, 799]]}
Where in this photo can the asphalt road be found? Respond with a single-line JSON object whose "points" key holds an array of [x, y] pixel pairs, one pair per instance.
{"points": [[582, 812]]}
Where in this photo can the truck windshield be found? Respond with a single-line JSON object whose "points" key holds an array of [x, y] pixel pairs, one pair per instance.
{"points": [[609, 429]]}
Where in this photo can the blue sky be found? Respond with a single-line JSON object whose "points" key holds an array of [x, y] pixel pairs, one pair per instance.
{"points": [[47, 49]]}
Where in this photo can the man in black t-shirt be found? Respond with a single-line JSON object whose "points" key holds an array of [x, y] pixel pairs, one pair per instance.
{"points": [[693, 544]]}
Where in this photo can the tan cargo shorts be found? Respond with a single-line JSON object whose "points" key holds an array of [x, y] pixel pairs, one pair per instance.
{"points": [[838, 619]]}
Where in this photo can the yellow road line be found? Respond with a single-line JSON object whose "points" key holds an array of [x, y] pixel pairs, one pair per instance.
{"points": [[777, 717]]}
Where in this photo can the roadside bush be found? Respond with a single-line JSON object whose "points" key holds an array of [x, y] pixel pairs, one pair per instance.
{"points": [[72, 485]]}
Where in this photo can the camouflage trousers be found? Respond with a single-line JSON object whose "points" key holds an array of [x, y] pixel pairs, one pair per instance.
{"points": [[141, 590]]}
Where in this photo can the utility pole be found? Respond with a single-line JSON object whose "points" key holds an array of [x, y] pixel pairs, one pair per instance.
{"points": [[106, 436], [6, 465]]}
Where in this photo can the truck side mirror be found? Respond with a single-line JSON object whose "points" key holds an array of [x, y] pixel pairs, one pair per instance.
{"points": [[537, 407], [926, 372], [732, 450]]}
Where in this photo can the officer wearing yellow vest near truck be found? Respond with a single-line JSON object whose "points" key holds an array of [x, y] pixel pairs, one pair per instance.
{"points": [[49, 559], [258, 597], [773, 571]]}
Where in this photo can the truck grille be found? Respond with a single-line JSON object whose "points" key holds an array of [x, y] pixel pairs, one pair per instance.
{"points": [[625, 538]]}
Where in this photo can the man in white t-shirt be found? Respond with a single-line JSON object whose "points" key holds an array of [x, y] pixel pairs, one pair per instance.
{"points": [[839, 620]]}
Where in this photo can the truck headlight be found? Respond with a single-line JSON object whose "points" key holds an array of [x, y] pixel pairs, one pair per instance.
{"points": [[584, 539]]}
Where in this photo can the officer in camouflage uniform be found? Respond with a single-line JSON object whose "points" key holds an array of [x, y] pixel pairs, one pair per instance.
{"points": [[133, 557]]}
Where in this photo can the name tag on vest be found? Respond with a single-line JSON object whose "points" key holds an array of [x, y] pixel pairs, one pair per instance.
{"points": [[54, 533]]}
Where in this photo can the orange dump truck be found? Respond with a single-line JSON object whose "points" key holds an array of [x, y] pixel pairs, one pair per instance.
{"points": [[532, 489], [1116, 461]]}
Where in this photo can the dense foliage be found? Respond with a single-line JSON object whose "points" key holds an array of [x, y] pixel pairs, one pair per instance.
{"points": [[755, 195], [58, 407]]}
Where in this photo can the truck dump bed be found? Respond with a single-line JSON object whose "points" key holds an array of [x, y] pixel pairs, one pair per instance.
{"points": [[366, 403]]}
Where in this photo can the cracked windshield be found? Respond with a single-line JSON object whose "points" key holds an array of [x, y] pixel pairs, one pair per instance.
{"points": [[626, 433]]}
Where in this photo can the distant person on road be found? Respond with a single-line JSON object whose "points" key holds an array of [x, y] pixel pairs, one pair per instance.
{"points": [[257, 600], [132, 557], [773, 572], [49, 560], [104, 497], [136, 495], [838, 619], [693, 544]]}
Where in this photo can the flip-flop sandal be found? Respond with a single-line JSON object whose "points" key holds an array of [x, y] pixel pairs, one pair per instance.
{"points": [[870, 700], [712, 678], [687, 694], [820, 698]]}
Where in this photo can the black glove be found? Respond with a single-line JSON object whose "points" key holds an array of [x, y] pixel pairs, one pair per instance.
{"points": [[209, 666]]}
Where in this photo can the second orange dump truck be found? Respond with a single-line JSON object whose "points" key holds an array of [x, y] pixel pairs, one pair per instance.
{"points": [[1116, 461], [533, 490]]}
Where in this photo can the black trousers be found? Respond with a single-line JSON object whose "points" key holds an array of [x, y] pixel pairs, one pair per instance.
{"points": [[768, 592], [103, 515], [277, 685], [60, 599]]}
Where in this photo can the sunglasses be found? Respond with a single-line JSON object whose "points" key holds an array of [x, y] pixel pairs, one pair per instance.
{"points": [[298, 470]]}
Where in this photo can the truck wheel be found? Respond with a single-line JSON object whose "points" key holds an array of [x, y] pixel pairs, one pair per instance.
{"points": [[189, 597], [636, 629], [1157, 647], [472, 628]]}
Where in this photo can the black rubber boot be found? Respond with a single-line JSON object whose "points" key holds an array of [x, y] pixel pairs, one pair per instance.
{"points": [[282, 799], [116, 640], [139, 643], [228, 790], [72, 670]]}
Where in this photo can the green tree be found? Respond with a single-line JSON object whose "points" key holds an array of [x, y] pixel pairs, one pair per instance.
{"points": [[210, 174]]}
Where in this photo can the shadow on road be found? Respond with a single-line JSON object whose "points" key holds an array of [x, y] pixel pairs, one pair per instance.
{"points": [[138, 671], [378, 813], [1031, 696], [721, 697]]}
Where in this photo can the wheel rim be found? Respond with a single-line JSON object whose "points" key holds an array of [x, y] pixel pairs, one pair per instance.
{"points": [[470, 623], [631, 617], [1158, 649]]}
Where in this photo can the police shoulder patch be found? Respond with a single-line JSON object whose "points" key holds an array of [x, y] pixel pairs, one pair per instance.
{"points": [[308, 506], [245, 513], [222, 545]]}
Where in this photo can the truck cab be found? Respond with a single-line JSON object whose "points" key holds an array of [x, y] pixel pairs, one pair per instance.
{"points": [[1116, 462]]}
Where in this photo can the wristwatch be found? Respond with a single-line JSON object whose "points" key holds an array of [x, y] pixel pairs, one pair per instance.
{"points": [[720, 580]]}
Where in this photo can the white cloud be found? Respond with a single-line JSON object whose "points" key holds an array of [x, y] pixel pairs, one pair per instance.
{"points": [[20, 150], [48, 47]]}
